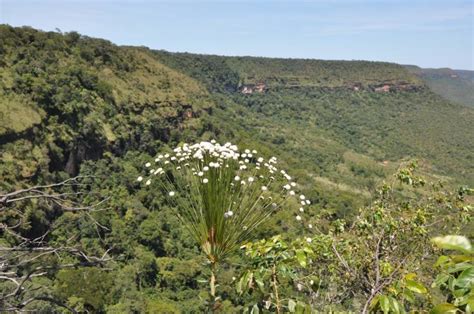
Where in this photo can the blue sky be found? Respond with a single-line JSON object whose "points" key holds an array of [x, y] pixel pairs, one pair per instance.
{"points": [[426, 33]]}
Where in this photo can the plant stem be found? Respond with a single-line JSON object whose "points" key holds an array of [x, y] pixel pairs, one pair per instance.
{"points": [[212, 285], [275, 289]]}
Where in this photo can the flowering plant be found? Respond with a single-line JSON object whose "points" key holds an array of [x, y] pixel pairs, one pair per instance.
{"points": [[222, 195]]}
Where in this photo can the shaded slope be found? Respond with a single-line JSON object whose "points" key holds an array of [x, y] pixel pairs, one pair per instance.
{"points": [[454, 85]]}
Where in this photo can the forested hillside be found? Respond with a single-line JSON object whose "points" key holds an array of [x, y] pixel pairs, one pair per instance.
{"points": [[83, 108], [454, 85]]}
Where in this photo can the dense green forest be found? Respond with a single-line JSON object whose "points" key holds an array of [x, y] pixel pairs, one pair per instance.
{"points": [[81, 116]]}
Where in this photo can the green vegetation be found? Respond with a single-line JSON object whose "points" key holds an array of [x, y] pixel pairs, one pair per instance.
{"points": [[454, 85], [72, 105]]}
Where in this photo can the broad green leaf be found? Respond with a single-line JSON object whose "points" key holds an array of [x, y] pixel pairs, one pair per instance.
{"points": [[416, 286], [301, 308], [384, 304], [440, 280], [291, 305], [410, 276], [466, 278], [458, 293], [453, 242], [444, 308], [459, 267], [470, 304], [409, 296], [443, 259], [301, 257]]}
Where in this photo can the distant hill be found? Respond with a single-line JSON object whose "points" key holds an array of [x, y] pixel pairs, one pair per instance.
{"points": [[454, 85], [320, 110]]}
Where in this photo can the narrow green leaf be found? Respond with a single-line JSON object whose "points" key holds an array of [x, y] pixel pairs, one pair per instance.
{"points": [[395, 306], [239, 285], [260, 285]]}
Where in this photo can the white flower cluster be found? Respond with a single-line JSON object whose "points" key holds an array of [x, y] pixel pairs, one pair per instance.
{"points": [[248, 168]]}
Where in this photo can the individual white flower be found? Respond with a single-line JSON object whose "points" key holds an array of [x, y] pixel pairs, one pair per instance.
{"points": [[302, 209], [302, 197], [147, 164], [292, 192], [298, 217], [171, 193], [264, 188], [260, 159], [167, 162], [237, 178], [303, 203], [254, 151], [228, 214], [293, 184], [178, 168], [309, 240], [200, 174], [167, 155], [299, 286], [250, 179], [247, 151], [310, 226], [148, 182], [140, 179], [206, 168], [157, 159], [308, 202], [205, 180], [287, 187], [247, 161]]}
